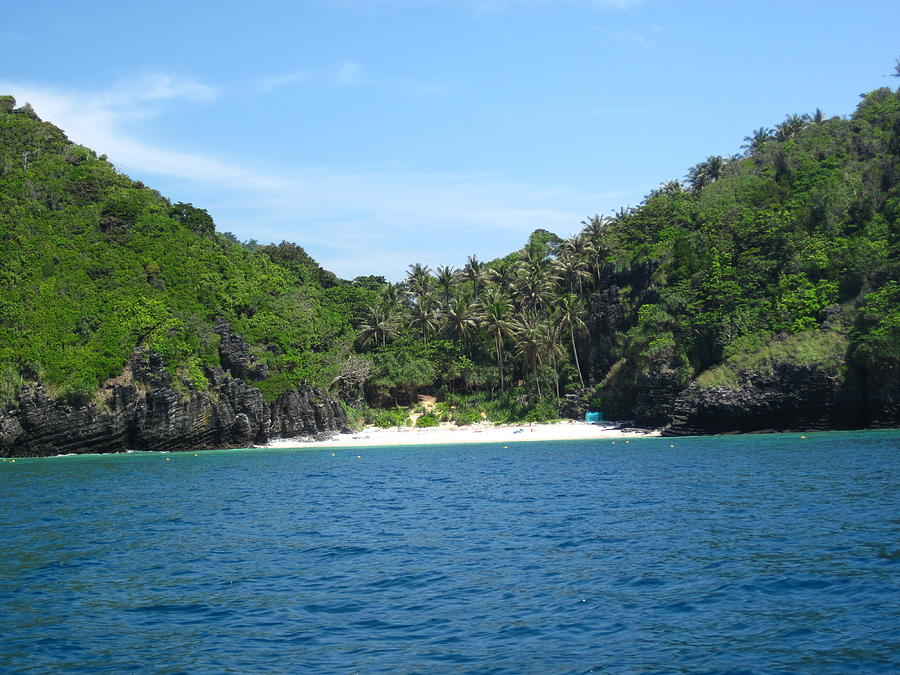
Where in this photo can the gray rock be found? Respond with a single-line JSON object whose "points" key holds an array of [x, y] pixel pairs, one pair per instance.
{"points": [[791, 398], [147, 412]]}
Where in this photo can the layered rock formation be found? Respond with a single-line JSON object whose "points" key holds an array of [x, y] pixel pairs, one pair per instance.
{"points": [[791, 398], [144, 409]]}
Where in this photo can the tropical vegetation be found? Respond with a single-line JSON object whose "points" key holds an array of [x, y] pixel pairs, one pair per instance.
{"points": [[786, 250]]}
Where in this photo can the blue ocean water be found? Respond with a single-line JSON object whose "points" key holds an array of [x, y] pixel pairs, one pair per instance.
{"points": [[744, 554]]}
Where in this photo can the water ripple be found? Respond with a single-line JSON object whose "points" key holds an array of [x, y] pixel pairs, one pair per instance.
{"points": [[727, 555]]}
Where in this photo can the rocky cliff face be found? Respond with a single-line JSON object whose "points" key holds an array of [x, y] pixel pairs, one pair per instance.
{"points": [[792, 398], [145, 410]]}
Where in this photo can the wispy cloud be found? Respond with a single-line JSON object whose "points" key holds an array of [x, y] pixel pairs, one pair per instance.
{"points": [[362, 220], [100, 121], [271, 82], [348, 74], [630, 39]]}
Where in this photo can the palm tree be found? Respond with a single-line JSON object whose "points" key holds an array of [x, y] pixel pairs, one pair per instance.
{"points": [[393, 297], [502, 276], [536, 345], [792, 125], [572, 268], [418, 279], [462, 319], [474, 272], [446, 279], [529, 347], [534, 286], [569, 310], [594, 233], [706, 172], [594, 227], [423, 316], [377, 325], [755, 141], [495, 312]]}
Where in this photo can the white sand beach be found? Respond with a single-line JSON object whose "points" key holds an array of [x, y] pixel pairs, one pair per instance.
{"points": [[474, 433]]}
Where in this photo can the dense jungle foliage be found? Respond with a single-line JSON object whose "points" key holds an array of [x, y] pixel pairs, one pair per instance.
{"points": [[787, 251]]}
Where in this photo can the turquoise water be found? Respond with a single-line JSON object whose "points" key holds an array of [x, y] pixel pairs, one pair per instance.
{"points": [[730, 554]]}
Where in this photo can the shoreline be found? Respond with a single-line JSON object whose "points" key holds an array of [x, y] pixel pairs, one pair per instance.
{"points": [[450, 434]]}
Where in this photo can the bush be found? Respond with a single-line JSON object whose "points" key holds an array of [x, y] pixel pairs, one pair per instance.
{"points": [[428, 420], [542, 412], [466, 416], [388, 418]]}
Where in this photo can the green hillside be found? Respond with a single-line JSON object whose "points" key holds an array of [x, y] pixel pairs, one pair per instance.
{"points": [[786, 252], [93, 265]]}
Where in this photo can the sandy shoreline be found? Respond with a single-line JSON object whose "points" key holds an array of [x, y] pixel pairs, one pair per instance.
{"points": [[474, 433]]}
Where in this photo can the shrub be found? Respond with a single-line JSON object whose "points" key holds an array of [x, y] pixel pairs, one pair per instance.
{"points": [[542, 412], [428, 420], [388, 418], [466, 416]]}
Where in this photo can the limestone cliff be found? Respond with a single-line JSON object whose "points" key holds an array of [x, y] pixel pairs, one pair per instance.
{"points": [[791, 398], [144, 409]]}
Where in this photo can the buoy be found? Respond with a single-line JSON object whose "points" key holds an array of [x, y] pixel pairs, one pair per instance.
{"points": [[627, 442], [613, 442], [168, 458], [803, 437], [671, 446], [359, 457], [332, 454]]}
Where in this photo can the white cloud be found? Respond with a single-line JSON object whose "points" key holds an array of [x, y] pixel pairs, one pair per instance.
{"points": [[349, 73], [267, 84], [99, 120], [630, 39]]}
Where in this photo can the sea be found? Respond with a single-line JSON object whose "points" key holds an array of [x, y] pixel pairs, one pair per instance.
{"points": [[733, 554]]}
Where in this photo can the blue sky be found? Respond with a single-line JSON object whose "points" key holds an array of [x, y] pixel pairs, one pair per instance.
{"points": [[378, 133]]}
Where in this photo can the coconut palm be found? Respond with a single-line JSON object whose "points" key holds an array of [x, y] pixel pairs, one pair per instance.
{"points": [[572, 269], [446, 280], [707, 171], [534, 286], [418, 279], [529, 347], [474, 272], [755, 141], [461, 317], [569, 310], [377, 326], [502, 276], [394, 297], [496, 313], [423, 315], [792, 125], [536, 345]]}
